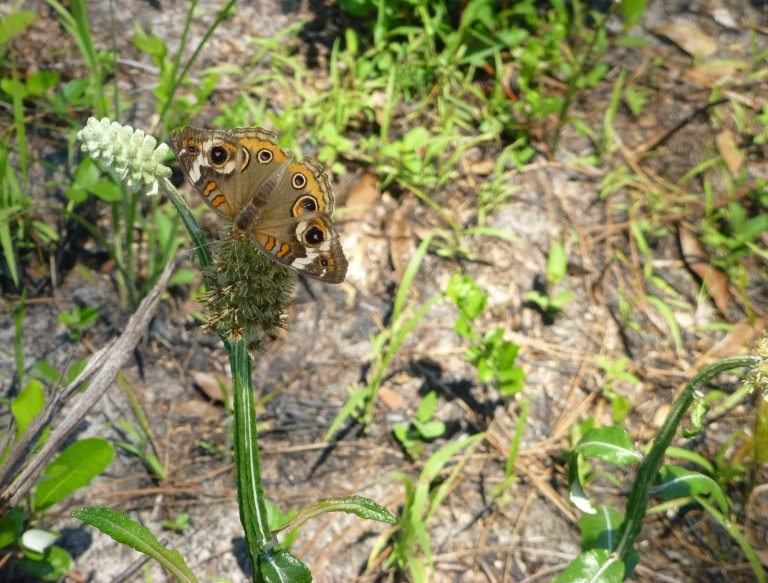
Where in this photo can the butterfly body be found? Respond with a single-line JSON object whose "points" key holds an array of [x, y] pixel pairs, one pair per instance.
{"points": [[284, 205]]}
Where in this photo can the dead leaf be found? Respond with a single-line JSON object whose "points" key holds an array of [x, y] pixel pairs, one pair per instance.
{"points": [[480, 167], [707, 75], [732, 156], [401, 241], [660, 415], [210, 385], [697, 260], [737, 341], [199, 410], [362, 195], [391, 400], [724, 18], [688, 37]]}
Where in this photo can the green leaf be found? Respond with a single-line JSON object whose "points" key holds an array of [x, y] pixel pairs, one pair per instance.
{"points": [[357, 505], [427, 407], [557, 263], [468, 297], [14, 24], [106, 190], [27, 405], [11, 525], [183, 276], [676, 482], [40, 82], [128, 532], [600, 530], [595, 566], [611, 444], [87, 174], [429, 429], [74, 468], [53, 565], [632, 11], [282, 566]]}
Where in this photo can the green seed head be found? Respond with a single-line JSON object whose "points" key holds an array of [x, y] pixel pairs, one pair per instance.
{"points": [[248, 293]]}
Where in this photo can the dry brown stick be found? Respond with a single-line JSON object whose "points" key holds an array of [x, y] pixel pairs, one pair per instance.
{"points": [[35, 429], [111, 361]]}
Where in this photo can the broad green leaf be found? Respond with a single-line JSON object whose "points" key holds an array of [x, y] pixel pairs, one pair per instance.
{"points": [[87, 173], [126, 531], [106, 190], [27, 405], [282, 566], [427, 407], [611, 444], [14, 24], [676, 482], [11, 525], [600, 530], [74, 468], [52, 566], [429, 429], [596, 566], [631, 10], [40, 82]]}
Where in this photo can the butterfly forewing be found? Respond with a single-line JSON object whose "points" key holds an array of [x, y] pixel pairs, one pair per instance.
{"points": [[284, 205]]}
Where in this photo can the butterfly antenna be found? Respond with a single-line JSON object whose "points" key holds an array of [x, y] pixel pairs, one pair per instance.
{"points": [[189, 252]]}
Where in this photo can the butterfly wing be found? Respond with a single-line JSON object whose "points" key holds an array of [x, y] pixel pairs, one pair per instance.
{"points": [[284, 205], [296, 227], [230, 169]]}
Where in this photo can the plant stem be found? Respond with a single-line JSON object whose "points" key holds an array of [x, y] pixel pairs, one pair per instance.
{"points": [[649, 468], [250, 492]]}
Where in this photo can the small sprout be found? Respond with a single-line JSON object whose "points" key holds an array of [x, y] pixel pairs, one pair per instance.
{"points": [[134, 156]]}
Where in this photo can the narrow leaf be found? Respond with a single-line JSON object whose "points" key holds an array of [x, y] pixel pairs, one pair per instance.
{"points": [[677, 482], [128, 532]]}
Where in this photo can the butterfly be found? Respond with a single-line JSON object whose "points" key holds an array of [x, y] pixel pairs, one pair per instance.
{"points": [[284, 205]]}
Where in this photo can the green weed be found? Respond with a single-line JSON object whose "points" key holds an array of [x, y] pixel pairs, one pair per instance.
{"points": [[422, 428], [20, 527], [409, 540], [608, 538], [78, 319], [493, 357], [385, 345], [557, 263]]}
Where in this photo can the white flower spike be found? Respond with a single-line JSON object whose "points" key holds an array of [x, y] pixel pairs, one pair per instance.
{"points": [[135, 157]]}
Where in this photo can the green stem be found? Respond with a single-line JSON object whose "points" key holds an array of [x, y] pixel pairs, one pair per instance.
{"points": [[649, 468], [570, 91], [220, 17], [197, 235], [250, 492]]}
